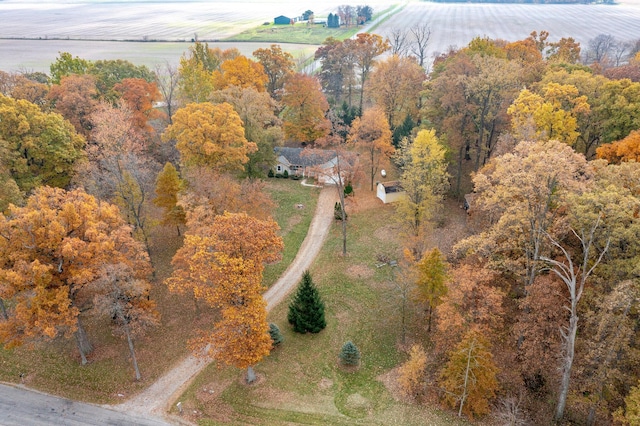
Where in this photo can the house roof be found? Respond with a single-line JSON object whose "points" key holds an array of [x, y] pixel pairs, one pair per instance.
{"points": [[295, 156]]}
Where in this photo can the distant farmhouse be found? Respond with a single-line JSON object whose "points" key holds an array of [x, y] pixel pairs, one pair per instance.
{"points": [[390, 192]]}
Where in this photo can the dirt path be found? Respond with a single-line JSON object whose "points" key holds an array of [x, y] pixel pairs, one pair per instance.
{"points": [[159, 397]]}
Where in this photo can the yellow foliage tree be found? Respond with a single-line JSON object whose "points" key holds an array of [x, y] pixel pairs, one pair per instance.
{"points": [[210, 135], [469, 378], [412, 373], [550, 115]]}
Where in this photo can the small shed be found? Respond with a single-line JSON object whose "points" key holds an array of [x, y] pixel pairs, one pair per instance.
{"points": [[390, 192], [281, 20]]}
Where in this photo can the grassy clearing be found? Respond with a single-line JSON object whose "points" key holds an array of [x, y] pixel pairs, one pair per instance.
{"points": [[297, 33], [294, 222], [302, 382]]}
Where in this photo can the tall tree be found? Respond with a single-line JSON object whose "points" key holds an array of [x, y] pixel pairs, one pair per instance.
{"points": [[469, 377], [261, 126], [41, 148], [278, 65], [222, 264], [75, 98], [241, 72], [140, 96], [394, 86], [627, 149], [168, 185], [598, 218], [125, 300], [367, 48], [210, 135], [65, 65], [431, 281], [58, 243], [472, 302], [167, 82], [421, 34], [424, 179], [119, 168], [371, 136], [304, 110], [306, 311], [550, 115], [522, 192]]}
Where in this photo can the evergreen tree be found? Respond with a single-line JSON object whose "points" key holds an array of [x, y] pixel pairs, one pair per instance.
{"points": [[306, 311], [350, 354], [275, 334]]}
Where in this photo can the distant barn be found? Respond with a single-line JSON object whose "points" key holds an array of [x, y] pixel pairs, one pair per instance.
{"points": [[281, 20]]}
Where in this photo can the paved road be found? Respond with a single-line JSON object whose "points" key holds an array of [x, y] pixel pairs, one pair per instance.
{"points": [[23, 407]]}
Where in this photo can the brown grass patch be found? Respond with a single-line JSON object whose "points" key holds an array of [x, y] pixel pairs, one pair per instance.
{"points": [[209, 397], [359, 271]]}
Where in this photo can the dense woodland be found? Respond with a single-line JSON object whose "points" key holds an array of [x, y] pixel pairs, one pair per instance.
{"points": [[533, 318]]}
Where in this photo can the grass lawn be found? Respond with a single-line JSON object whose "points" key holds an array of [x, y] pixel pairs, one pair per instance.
{"points": [[297, 33], [294, 222], [301, 381], [301, 32]]}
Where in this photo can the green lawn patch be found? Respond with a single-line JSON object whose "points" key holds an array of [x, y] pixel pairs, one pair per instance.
{"points": [[300, 32], [295, 207]]}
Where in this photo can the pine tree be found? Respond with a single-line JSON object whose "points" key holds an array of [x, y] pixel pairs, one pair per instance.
{"points": [[306, 311], [350, 354], [276, 336]]}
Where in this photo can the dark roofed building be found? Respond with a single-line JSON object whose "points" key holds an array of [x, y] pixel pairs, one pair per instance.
{"points": [[281, 20]]}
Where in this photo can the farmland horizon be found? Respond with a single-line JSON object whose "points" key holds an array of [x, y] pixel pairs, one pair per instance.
{"points": [[34, 32]]}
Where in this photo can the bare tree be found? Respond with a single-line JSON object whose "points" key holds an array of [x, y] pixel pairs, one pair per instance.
{"points": [[167, 77], [421, 35], [347, 14], [398, 41], [620, 52], [600, 49], [575, 277]]}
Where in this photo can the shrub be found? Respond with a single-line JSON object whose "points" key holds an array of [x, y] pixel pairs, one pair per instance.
{"points": [[350, 354], [337, 211], [348, 189], [412, 373], [271, 174], [278, 175], [276, 335], [285, 174], [306, 311]]}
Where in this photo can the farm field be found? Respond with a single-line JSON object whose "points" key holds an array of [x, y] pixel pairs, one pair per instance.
{"points": [[100, 25], [454, 24]]}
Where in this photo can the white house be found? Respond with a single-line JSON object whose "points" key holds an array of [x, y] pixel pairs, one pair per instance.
{"points": [[390, 192], [314, 163]]}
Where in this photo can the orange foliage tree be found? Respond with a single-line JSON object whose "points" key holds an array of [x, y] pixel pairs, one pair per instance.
{"points": [[370, 134], [277, 64], [304, 109], [222, 264], [139, 95], [627, 149], [472, 303], [54, 248]]}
